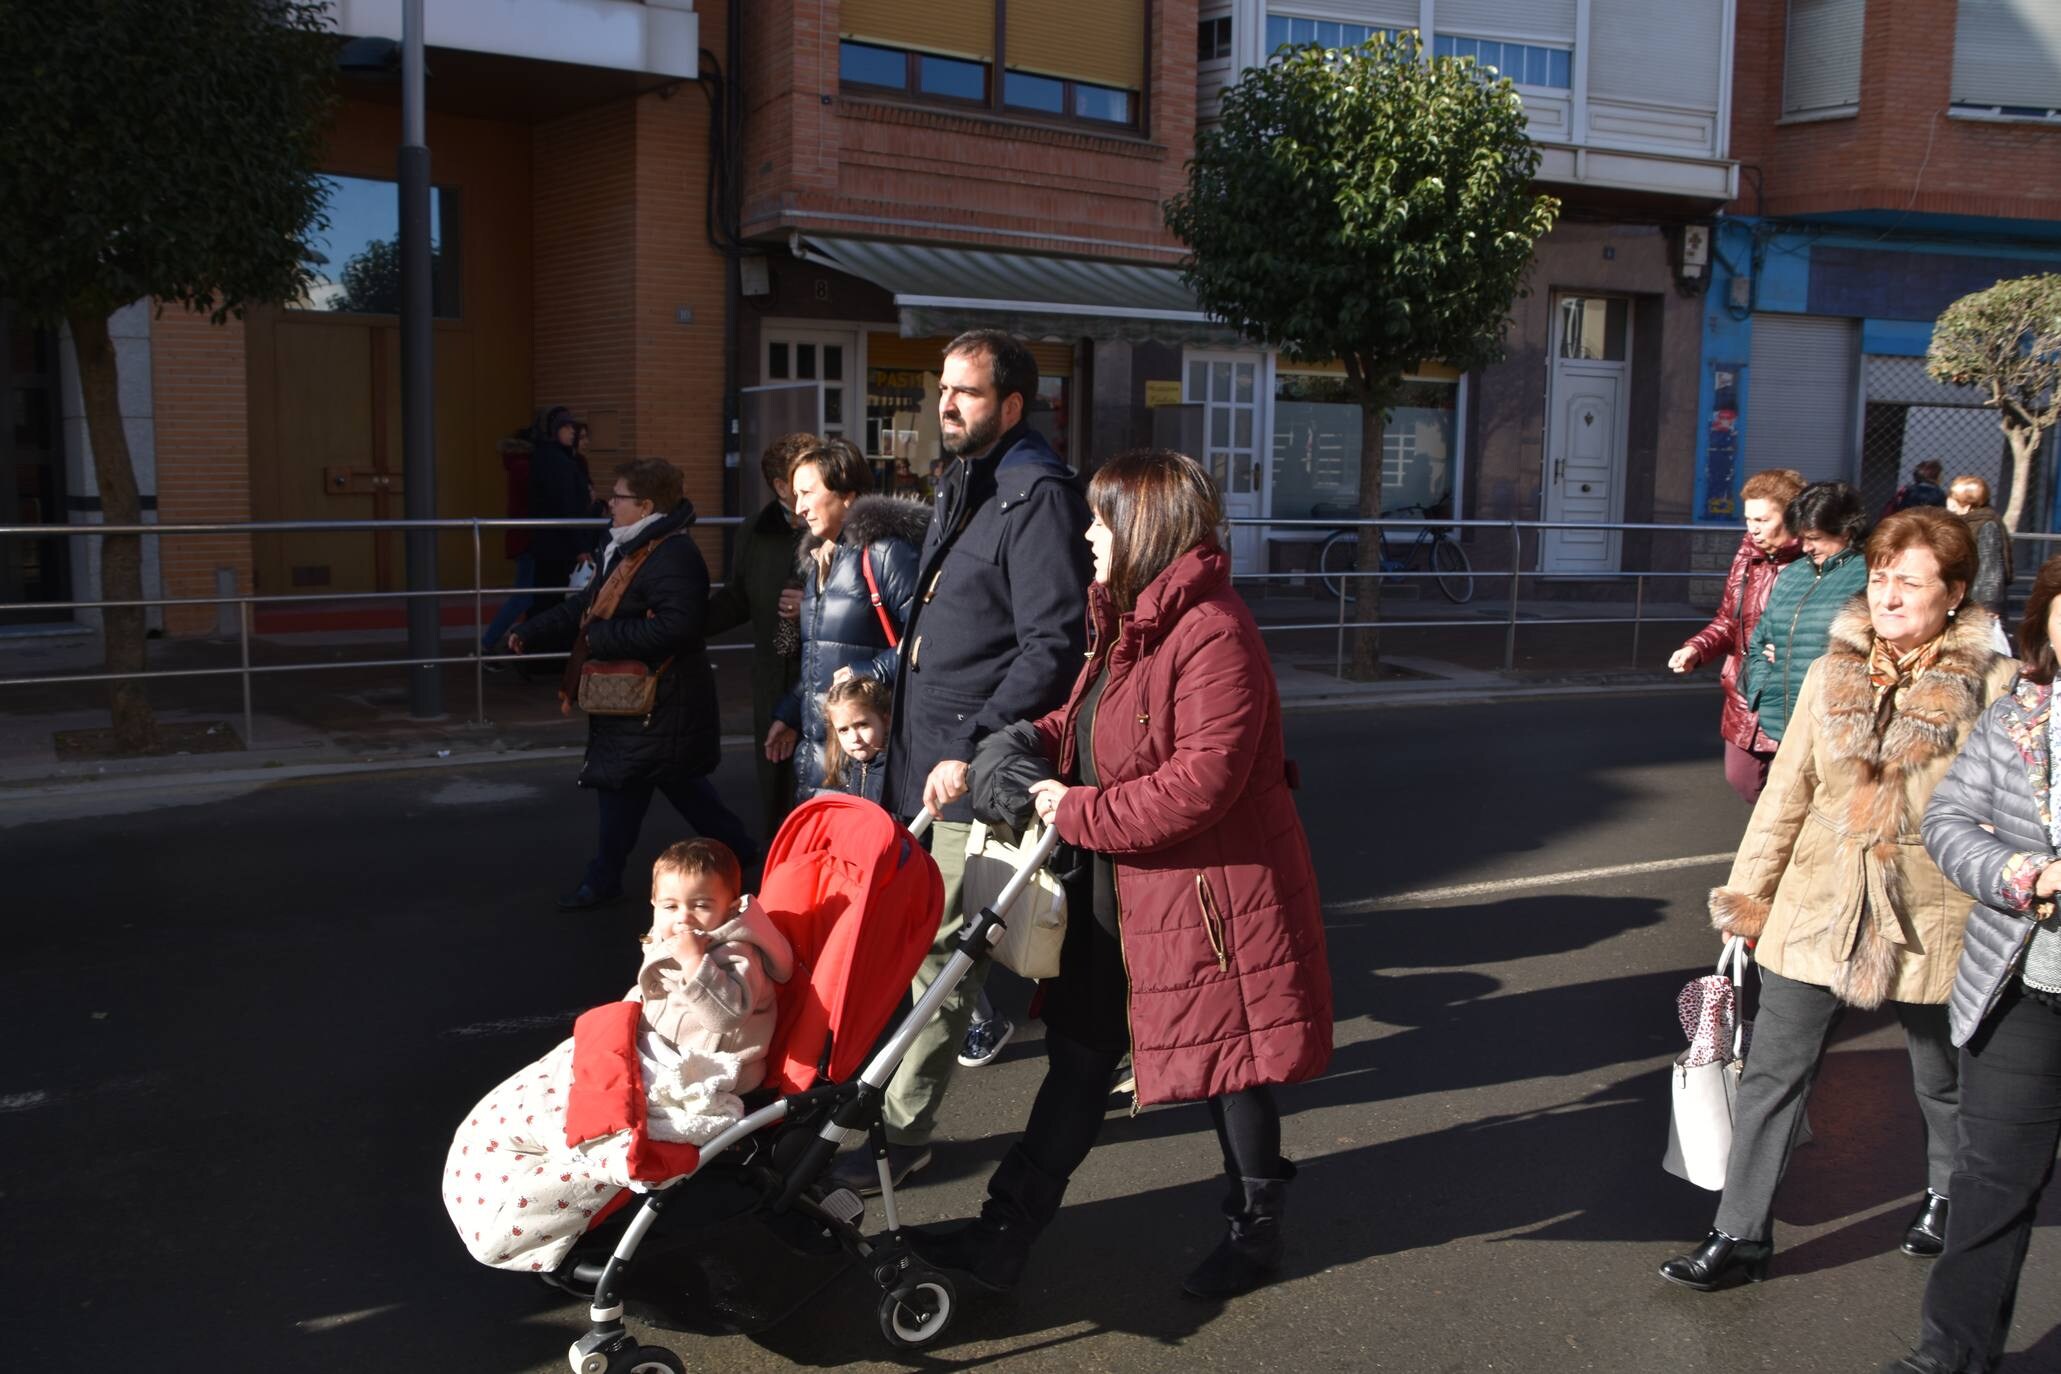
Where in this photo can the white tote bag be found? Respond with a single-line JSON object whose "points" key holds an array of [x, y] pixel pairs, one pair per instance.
{"points": [[1704, 1080], [1035, 928]]}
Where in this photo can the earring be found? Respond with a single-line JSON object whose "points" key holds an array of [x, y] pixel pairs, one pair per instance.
{"points": [[1953, 611]]}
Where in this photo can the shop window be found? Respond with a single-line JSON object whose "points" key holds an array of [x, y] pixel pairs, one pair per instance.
{"points": [[356, 261], [902, 398], [31, 471], [1075, 60], [1316, 443]]}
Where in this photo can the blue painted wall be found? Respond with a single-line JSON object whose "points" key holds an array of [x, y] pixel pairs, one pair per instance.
{"points": [[1895, 286]]}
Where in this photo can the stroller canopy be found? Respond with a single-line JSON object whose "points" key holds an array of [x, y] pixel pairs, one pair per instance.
{"points": [[860, 901]]}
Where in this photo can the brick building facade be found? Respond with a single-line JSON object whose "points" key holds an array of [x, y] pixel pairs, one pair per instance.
{"points": [[1899, 154]]}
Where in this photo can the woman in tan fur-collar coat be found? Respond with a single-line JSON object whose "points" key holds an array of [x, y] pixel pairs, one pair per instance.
{"points": [[1833, 882]]}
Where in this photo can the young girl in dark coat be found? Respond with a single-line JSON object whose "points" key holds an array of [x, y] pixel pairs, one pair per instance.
{"points": [[858, 711]]}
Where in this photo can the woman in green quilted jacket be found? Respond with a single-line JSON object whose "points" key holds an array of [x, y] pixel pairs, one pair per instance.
{"points": [[1831, 524]]}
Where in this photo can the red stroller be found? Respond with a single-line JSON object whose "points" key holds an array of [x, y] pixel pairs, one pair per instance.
{"points": [[860, 901]]}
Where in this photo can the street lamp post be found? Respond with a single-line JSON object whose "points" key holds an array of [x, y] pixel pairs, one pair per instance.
{"points": [[418, 379]]}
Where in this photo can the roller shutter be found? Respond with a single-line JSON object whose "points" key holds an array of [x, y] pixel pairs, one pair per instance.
{"points": [[2008, 52], [1098, 41], [959, 29], [1821, 63], [1800, 398]]}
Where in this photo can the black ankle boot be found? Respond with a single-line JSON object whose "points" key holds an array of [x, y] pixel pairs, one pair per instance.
{"points": [[1925, 1237], [1720, 1262], [992, 1249], [1250, 1255]]}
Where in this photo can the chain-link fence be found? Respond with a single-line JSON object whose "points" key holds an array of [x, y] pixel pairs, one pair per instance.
{"points": [[1908, 418]]}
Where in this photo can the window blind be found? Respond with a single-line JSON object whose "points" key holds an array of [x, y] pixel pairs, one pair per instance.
{"points": [[1821, 62], [1551, 21], [2008, 52], [956, 28], [1662, 52], [1097, 41]]}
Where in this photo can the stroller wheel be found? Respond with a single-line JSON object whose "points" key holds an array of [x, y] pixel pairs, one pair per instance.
{"points": [[918, 1310], [648, 1359]]}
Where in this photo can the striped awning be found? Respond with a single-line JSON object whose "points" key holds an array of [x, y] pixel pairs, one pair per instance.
{"points": [[946, 290]]}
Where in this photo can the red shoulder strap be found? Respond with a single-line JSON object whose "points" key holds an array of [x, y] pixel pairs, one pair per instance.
{"points": [[887, 626]]}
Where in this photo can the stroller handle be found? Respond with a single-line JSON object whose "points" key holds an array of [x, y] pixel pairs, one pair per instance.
{"points": [[920, 822]]}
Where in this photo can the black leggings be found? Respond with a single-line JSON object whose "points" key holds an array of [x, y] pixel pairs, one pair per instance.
{"points": [[1074, 1099]]}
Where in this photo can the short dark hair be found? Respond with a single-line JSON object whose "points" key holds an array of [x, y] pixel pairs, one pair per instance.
{"points": [[1928, 471], [698, 858], [1011, 368], [839, 463], [654, 480], [778, 459], [1829, 508], [1158, 504], [2036, 646], [1929, 527]]}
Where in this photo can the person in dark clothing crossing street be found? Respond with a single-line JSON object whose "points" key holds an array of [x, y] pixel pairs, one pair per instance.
{"points": [[995, 636], [559, 490], [648, 602]]}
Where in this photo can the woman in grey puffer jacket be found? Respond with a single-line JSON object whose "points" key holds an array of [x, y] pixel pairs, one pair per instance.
{"points": [[1994, 829]]}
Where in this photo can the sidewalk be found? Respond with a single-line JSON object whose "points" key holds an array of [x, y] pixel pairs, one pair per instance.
{"points": [[345, 715]]}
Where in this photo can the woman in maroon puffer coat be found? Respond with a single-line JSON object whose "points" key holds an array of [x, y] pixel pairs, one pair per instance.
{"points": [[1197, 941], [1767, 547]]}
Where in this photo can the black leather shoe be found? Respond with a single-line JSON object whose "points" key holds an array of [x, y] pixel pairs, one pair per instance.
{"points": [[1720, 1262], [585, 898], [1925, 1237]]}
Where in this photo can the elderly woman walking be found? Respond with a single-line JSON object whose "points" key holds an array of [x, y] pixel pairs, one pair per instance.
{"points": [[858, 570], [648, 603], [1766, 548], [1830, 523], [1968, 498], [1198, 943], [1994, 827], [1832, 882]]}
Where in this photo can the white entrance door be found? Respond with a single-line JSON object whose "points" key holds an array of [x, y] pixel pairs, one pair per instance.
{"points": [[1227, 386], [828, 356], [1587, 403]]}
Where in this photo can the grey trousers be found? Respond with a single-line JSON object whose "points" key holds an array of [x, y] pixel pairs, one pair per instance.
{"points": [[918, 1087], [1789, 1034]]}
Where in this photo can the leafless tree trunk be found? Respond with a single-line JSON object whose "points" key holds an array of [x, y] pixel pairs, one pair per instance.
{"points": [[121, 555]]}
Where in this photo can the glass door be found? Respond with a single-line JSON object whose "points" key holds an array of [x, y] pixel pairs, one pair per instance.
{"points": [[826, 356], [1226, 385]]}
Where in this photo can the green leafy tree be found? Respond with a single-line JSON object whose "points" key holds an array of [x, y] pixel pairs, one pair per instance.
{"points": [[2006, 341], [161, 151], [371, 278], [1368, 204]]}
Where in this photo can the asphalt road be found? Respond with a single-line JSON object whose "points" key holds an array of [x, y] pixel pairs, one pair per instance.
{"points": [[243, 1021]]}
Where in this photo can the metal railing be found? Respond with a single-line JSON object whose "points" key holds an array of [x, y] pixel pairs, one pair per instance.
{"points": [[1340, 625], [244, 601], [1514, 575]]}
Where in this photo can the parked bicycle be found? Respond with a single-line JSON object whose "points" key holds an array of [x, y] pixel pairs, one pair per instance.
{"points": [[1433, 549]]}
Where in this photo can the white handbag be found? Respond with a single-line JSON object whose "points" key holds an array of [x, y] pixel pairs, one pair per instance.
{"points": [[1704, 1081], [1035, 927]]}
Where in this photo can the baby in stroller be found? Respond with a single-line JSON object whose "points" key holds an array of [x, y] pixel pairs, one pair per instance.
{"points": [[521, 1195]]}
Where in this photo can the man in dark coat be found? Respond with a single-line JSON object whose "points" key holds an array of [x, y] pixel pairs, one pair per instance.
{"points": [[762, 592], [560, 489], [659, 622], [995, 637]]}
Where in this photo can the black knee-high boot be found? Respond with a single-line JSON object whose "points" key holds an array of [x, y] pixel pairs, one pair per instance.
{"points": [[1250, 1254], [991, 1249]]}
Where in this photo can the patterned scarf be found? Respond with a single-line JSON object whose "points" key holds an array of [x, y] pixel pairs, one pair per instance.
{"points": [[1889, 673]]}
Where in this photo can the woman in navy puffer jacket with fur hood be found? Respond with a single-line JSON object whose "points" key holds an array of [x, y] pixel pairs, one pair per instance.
{"points": [[841, 626]]}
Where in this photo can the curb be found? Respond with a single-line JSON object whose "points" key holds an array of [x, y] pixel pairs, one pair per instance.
{"points": [[146, 775]]}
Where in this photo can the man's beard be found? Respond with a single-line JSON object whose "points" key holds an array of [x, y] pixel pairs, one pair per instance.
{"points": [[975, 439]]}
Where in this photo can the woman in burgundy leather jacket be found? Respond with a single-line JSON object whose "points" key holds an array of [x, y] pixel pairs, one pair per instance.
{"points": [[1197, 940], [1767, 547]]}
